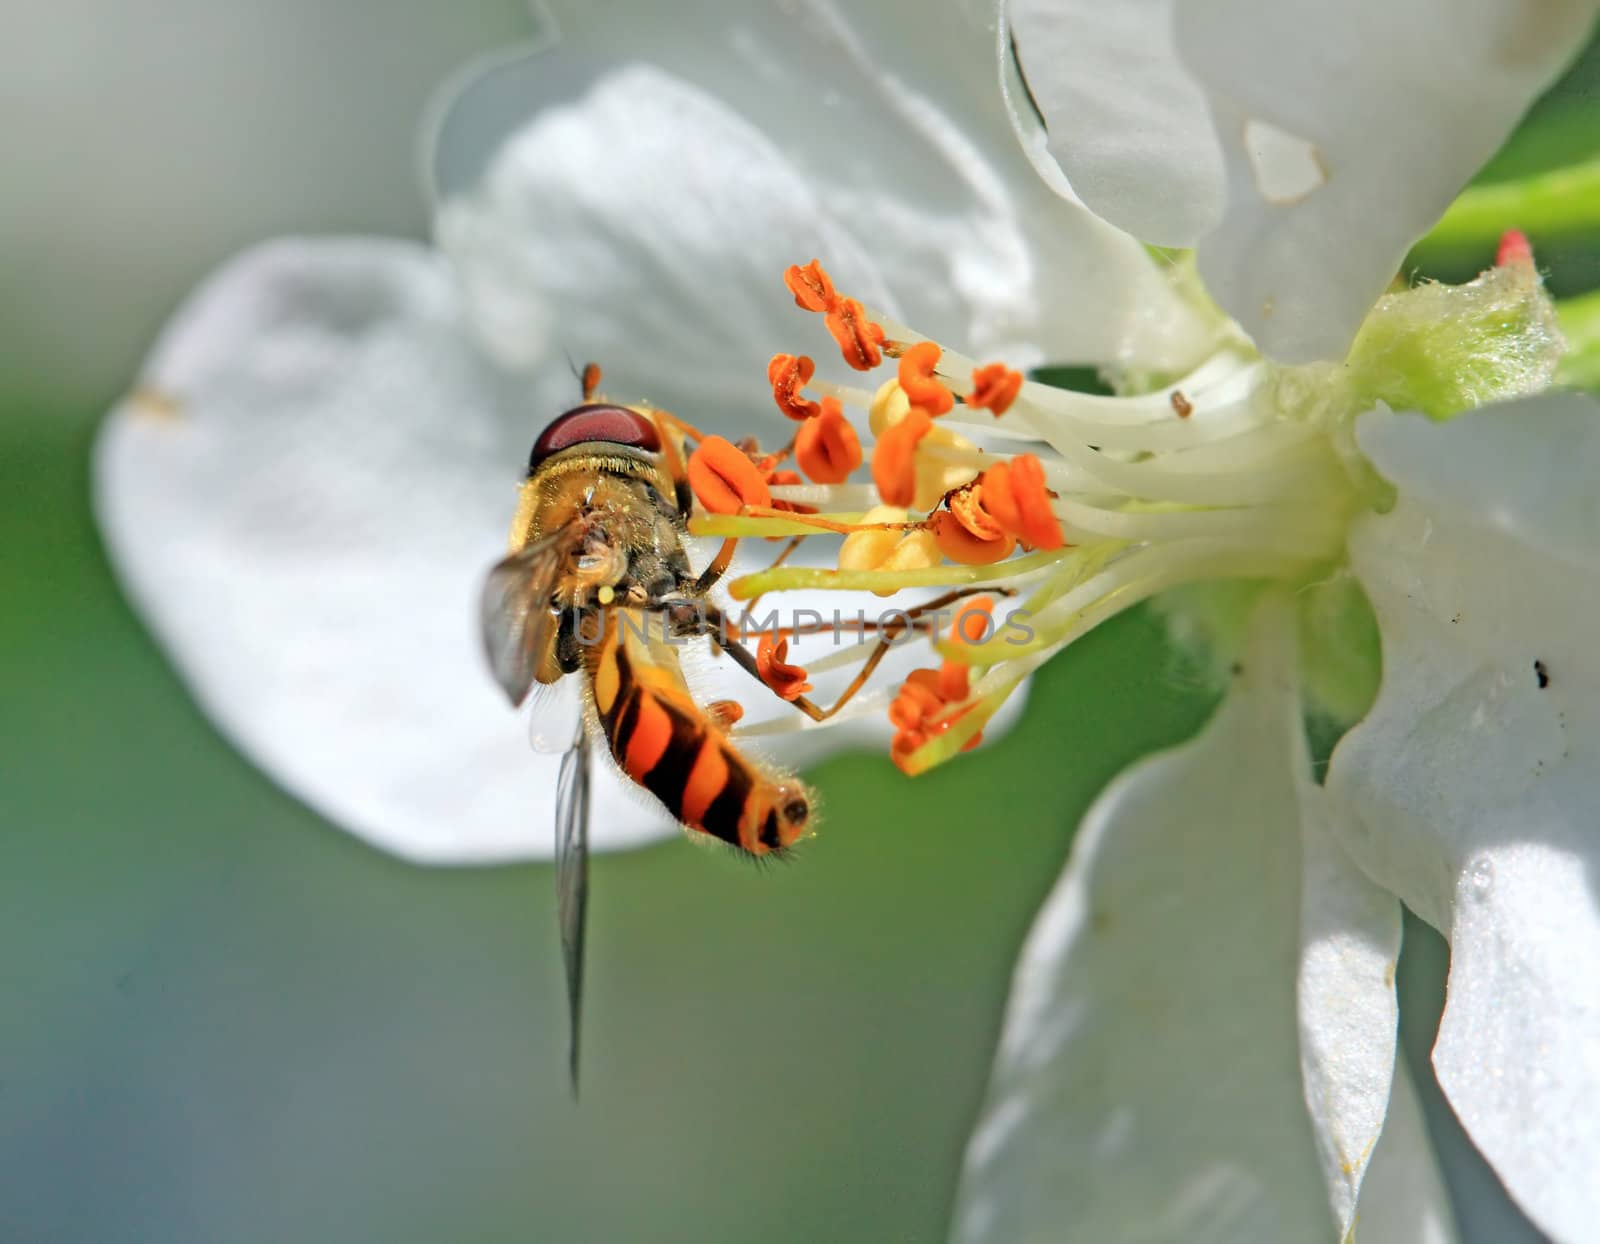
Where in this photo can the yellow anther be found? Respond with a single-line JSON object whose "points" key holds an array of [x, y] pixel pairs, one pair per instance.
{"points": [[889, 406], [868, 550], [917, 550], [935, 476]]}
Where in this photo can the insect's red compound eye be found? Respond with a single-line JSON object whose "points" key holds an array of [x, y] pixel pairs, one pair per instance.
{"points": [[596, 422]]}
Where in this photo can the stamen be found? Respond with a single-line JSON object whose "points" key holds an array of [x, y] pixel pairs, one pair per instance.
{"points": [[917, 378], [966, 547], [894, 460], [830, 496], [1039, 527], [868, 550], [888, 552], [788, 681], [967, 505], [973, 625], [915, 713], [827, 447], [1120, 498], [815, 578], [1015, 497], [781, 478], [994, 387], [811, 286], [919, 697], [724, 479], [917, 550], [765, 521], [860, 340], [788, 374]]}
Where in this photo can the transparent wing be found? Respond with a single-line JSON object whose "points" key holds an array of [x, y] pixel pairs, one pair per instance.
{"points": [[555, 713], [572, 878], [517, 613]]}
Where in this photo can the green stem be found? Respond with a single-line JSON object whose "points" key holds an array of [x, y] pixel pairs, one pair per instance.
{"points": [[1564, 200], [1580, 324]]}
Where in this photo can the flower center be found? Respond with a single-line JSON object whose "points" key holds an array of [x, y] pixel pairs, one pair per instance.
{"points": [[1076, 506]]}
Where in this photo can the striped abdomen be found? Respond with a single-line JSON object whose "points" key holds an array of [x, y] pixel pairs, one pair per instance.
{"points": [[667, 744]]}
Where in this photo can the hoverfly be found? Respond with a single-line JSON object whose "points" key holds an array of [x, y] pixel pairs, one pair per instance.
{"points": [[596, 582]]}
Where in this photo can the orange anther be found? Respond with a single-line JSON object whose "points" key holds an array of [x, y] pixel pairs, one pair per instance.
{"points": [[994, 386], [1015, 496], [827, 447], [894, 458], [962, 546], [973, 625], [902, 745], [917, 700], [1038, 523], [967, 505], [787, 680], [994, 486], [915, 715], [955, 681], [974, 622], [1181, 406], [788, 374], [860, 340], [724, 479], [811, 286], [917, 378]]}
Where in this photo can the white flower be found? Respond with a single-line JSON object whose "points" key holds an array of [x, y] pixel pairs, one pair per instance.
{"points": [[1201, 1043], [1301, 147]]}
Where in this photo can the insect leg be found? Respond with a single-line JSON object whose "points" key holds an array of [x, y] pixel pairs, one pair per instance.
{"points": [[717, 568], [898, 626], [708, 620]]}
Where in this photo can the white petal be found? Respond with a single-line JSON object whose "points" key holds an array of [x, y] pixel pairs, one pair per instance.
{"points": [[1525, 468], [1350, 945], [302, 499], [648, 210], [1473, 780], [648, 228], [1343, 145], [1403, 1198], [1148, 1085], [1120, 108]]}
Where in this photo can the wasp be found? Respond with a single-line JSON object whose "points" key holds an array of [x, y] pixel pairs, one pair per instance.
{"points": [[598, 585]]}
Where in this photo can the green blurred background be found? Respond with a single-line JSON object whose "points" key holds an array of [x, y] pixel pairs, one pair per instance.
{"points": [[223, 1019]]}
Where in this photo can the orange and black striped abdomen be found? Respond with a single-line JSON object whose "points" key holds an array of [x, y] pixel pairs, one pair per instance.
{"points": [[667, 744]]}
